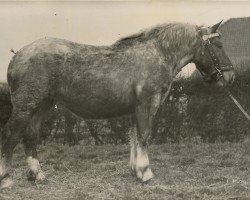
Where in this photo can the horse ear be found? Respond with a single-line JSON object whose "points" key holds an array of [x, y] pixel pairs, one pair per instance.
{"points": [[215, 27]]}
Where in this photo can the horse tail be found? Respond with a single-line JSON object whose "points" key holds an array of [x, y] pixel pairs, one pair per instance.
{"points": [[5, 104], [12, 73]]}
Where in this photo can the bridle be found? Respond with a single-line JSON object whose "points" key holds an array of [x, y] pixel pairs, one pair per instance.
{"points": [[216, 73]]}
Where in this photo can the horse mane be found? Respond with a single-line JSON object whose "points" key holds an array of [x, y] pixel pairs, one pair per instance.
{"points": [[170, 35]]}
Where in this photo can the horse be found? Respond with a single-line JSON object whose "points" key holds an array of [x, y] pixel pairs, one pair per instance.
{"points": [[132, 76]]}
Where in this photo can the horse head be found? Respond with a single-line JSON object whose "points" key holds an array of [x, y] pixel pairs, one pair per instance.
{"points": [[211, 59]]}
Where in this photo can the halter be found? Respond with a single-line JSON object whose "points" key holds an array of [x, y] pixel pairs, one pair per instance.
{"points": [[218, 69]]}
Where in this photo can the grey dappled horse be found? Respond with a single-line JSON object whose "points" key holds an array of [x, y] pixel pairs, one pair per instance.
{"points": [[133, 75]]}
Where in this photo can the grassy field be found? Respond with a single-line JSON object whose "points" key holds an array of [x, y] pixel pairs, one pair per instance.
{"points": [[189, 170]]}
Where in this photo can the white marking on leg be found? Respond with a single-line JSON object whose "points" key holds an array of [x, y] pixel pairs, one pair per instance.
{"points": [[142, 158], [132, 149], [132, 155], [35, 167], [142, 163], [33, 164], [3, 169]]}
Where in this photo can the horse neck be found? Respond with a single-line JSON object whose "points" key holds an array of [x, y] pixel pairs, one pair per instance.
{"points": [[178, 46], [181, 57], [186, 59]]}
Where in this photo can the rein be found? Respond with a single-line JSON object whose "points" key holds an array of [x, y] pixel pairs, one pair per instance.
{"points": [[238, 104]]}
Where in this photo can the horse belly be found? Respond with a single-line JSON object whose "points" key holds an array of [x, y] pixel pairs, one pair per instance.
{"points": [[90, 105]]}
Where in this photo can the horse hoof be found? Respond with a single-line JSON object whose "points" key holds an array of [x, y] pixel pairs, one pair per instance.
{"points": [[39, 177], [145, 175], [6, 184], [31, 176]]}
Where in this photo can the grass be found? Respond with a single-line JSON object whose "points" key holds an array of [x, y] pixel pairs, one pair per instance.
{"points": [[189, 170]]}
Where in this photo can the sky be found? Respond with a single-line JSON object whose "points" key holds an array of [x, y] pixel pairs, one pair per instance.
{"points": [[102, 22]]}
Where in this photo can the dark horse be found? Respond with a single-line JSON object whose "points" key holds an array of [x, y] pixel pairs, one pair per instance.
{"points": [[133, 75]]}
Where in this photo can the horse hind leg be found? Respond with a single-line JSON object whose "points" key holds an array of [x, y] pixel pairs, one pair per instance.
{"points": [[31, 139], [11, 136]]}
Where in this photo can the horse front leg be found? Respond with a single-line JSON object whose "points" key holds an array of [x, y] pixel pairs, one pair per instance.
{"points": [[139, 147]]}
